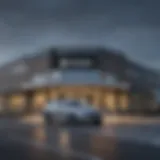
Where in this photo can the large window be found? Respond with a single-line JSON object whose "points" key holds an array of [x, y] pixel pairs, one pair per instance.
{"points": [[17, 102], [110, 101], [39, 100]]}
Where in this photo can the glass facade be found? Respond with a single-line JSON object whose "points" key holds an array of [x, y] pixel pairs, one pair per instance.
{"points": [[96, 96]]}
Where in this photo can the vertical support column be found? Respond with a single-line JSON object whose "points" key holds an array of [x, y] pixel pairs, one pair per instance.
{"points": [[17, 103], [53, 94], [2, 103], [124, 101], [98, 96], [117, 93], [47, 94], [29, 103], [6, 103], [135, 103]]}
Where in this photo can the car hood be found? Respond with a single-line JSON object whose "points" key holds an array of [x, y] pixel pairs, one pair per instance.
{"points": [[85, 110]]}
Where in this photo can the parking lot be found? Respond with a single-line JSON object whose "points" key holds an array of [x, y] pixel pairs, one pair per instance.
{"points": [[111, 141]]}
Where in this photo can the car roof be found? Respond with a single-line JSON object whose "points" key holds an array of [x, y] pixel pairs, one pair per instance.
{"points": [[64, 101]]}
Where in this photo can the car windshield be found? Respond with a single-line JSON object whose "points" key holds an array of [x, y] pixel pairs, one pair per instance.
{"points": [[74, 103]]}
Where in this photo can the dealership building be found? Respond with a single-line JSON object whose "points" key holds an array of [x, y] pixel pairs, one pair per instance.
{"points": [[28, 83]]}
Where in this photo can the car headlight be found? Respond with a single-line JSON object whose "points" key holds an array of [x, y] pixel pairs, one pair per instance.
{"points": [[82, 116]]}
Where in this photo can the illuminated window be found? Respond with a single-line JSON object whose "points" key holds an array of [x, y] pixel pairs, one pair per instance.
{"points": [[39, 100], [17, 102], [124, 101], [110, 101]]}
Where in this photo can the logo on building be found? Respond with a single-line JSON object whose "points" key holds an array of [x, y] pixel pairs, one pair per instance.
{"points": [[75, 62]]}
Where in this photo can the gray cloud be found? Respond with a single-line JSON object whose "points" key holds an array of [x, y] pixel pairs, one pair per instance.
{"points": [[130, 25]]}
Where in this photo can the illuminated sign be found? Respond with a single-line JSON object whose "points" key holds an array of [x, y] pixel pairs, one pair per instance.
{"points": [[76, 62], [64, 62]]}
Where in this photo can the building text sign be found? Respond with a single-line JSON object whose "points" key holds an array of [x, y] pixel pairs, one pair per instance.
{"points": [[77, 63]]}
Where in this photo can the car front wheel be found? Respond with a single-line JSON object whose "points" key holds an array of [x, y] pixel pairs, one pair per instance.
{"points": [[97, 122]]}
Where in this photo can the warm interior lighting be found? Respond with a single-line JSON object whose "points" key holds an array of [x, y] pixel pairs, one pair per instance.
{"points": [[110, 101], [17, 101]]}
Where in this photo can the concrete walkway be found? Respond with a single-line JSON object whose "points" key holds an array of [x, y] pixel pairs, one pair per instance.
{"points": [[107, 119], [114, 119], [33, 119]]}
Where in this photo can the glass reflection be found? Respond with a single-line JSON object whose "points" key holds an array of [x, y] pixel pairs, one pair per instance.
{"points": [[65, 140], [80, 140], [104, 146], [39, 134]]}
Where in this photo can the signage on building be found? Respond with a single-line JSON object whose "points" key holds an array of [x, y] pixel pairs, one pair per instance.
{"points": [[80, 63], [76, 62]]}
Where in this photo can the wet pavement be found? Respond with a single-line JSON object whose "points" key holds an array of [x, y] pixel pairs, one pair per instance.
{"points": [[112, 142], [19, 151]]}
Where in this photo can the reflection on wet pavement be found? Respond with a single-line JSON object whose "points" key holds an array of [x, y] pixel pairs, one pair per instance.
{"points": [[100, 146], [10, 150], [85, 143], [39, 134]]}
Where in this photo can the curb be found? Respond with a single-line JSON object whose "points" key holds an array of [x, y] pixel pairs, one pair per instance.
{"points": [[38, 119]]}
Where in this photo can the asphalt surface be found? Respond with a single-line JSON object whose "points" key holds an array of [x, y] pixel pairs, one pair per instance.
{"points": [[112, 142]]}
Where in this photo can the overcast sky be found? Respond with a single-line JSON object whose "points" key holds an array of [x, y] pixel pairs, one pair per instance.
{"points": [[132, 26]]}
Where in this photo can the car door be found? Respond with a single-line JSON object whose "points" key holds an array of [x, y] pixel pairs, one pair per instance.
{"points": [[63, 111], [58, 110]]}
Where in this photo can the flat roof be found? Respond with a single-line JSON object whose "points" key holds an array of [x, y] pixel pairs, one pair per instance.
{"points": [[74, 77]]}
